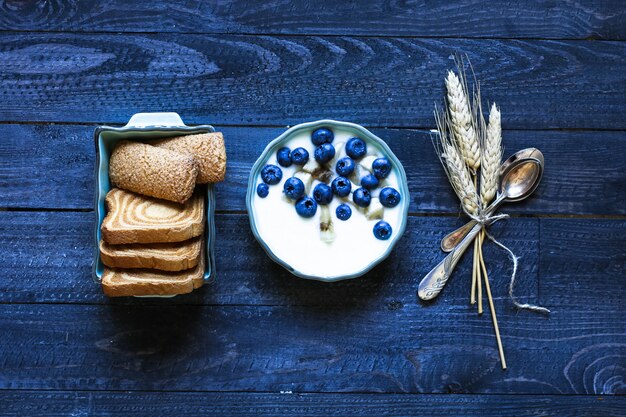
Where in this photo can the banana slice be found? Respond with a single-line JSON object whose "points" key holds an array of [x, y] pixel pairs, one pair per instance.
{"points": [[306, 178], [337, 156], [319, 172], [322, 174], [375, 210], [327, 229], [311, 166], [367, 162], [355, 177]]}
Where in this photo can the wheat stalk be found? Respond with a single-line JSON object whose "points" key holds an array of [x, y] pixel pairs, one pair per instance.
{"points": [[462, 120], [466, 143], [491, 157], [454, 165]]}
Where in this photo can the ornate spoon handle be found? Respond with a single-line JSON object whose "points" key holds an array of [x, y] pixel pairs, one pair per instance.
{"points": [[452, 239], [434, 281]]}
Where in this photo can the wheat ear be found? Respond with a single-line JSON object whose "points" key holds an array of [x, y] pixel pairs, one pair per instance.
{"points": [[491, 157], [494, 319], [454, 166], [462, 120]]}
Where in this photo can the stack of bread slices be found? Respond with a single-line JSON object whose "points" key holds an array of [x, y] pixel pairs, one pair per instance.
{"points": [[153, 235]]}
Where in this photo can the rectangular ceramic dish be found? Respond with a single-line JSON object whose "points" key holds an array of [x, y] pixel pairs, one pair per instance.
{"points": [[143, 127]]}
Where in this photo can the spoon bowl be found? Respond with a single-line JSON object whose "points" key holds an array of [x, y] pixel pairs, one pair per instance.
{"points": [[521, 179], [520, 176]]}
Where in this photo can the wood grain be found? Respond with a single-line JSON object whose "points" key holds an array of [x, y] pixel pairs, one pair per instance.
{"points": [[109, 404], [374, 349], [55, 250], [502, 19], [585, 171], [584, 263], [259, 341], [277, 80]]}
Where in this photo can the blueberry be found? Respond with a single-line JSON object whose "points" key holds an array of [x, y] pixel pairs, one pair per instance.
{"points": [[306, 207], [322, 194], [362, 197], [381, 168], [382, 230], [262, 190], [322, 135], [299, 156], [345, 167], [356, 148], [369, 182], [271, 174], [389, 197], [324, 153], [282, 155], [343, 212], [293, 188], [341, 186]]}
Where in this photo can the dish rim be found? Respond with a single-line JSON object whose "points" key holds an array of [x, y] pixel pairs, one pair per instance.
{"points": [[273, 146]]}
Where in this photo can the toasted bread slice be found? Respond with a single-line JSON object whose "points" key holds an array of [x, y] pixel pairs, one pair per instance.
{"points": [[207, 149], [174, 256], [153, 171], [133, 218], [127, 282]]}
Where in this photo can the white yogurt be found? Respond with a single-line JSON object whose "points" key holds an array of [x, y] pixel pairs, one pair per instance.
{"points": [[296, 240]]}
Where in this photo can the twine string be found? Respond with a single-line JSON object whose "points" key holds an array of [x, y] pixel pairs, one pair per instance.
{"points": [[486, 219]]}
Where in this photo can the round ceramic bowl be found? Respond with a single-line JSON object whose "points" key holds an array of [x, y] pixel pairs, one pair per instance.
{"points": [[278, 230]]}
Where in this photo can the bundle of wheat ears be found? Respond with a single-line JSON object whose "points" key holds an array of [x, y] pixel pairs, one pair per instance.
{"points": [[470, 150]]}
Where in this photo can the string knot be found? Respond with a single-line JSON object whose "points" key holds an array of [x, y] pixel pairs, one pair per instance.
{"points": [[486, 218]]}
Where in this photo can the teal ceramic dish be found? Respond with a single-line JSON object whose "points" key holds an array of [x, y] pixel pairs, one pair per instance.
{"points": [[143, 127], [292, 136]]}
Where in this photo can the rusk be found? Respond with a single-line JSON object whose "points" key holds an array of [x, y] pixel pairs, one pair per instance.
{"points": [[133, 218], [208, 150], [128, 282], [153, 171], [175, 256]]}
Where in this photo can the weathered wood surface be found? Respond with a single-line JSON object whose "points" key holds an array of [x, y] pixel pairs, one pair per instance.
{"points": [[152, 404], [501, 19], [316, 337], [47, 258], [55, 251], [251, 68], [585, 171], [372, 348], [278, 80]]}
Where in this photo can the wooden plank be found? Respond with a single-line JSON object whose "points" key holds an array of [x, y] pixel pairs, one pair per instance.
{"points": [[589, 177], [47, 258], [55, 251], [341, 348], [277, 80], [468, 18], [62, 403], [575, 254]]}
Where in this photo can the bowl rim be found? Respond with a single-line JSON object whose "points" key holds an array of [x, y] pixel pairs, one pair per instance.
{"points": [[276, 143]]}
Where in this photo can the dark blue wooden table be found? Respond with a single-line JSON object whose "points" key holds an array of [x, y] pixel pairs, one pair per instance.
{"points": [[259, 341]]}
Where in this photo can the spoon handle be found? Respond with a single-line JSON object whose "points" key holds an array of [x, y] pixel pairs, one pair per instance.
{"points": [[452, 239], [432, 284]]}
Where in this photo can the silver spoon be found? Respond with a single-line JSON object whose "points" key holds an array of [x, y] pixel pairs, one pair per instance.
{"points": [[528, 180], [519, 181]]}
